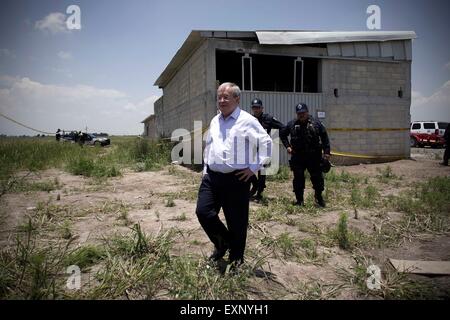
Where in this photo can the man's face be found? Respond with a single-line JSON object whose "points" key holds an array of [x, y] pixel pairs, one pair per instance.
{"points": [[227, 102], [257, 111], [302, 116]]}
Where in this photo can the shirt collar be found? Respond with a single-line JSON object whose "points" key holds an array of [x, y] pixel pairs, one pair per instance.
{"points": [[234, 115]]}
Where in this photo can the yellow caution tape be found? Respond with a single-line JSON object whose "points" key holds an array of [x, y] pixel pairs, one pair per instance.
{"points": [[353, 155], [343, 154], [24, 125]]}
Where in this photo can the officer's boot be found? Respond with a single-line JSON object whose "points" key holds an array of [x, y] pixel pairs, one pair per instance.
{"points": [[299, 197], [319, 199]]}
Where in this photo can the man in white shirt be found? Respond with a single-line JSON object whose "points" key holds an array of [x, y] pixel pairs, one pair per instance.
{"points": [[237, 147]]}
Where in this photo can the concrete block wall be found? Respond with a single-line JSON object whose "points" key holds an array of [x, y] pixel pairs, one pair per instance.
{"points": [[185, 95], [368, 99], [150, 129]]}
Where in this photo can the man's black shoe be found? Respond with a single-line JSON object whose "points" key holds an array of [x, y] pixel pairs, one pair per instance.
{"points": [[234, 265], [257, 198], [218, 254], [443, 164], [298, 203], [319, 200]]}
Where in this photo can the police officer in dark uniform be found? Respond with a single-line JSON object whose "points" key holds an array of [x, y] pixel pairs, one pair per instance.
{"points": [[81, 138], [308, 138], [268, 122]]}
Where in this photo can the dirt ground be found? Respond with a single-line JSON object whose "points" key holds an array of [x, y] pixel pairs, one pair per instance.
{"points": [[166, 199]]}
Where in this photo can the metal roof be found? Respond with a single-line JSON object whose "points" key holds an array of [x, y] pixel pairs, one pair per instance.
{"points": [[272, 37], [148, 118], [309, 37]]}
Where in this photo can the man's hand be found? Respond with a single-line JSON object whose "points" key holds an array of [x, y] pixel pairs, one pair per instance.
{"points": [[326, 156], [290, 150], [245, 174]]}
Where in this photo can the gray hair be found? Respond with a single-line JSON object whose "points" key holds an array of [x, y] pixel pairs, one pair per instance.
{"points": [[234, 88]]}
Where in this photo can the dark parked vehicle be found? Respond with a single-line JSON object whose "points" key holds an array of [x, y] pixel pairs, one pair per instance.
{"points": [[71, 136]]}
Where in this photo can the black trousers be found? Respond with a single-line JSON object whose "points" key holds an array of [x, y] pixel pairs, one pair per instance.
{"points": [[225, 191], [311, 162], [258, 182], [446, 153]]}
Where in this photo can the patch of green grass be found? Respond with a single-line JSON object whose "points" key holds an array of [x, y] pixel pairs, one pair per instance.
{"points": [[343, 236], [170, 203], [152, 154], [317, 290], [342, 233], [386, 175], [181, 217], [65, 230], [135, 265], [92, 168], [85, 256], [343, 177], [196, 280], [284, 243], [30, 186], [426, 206], [138, 243], [262, 215], [28, 271], [310, 247], [368, 198]]}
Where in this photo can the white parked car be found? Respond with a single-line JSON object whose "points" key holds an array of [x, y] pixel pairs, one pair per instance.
{"points": [[97, 139]]}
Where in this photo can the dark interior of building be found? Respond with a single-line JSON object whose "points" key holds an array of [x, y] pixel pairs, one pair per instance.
{"points": [[268, 72]]}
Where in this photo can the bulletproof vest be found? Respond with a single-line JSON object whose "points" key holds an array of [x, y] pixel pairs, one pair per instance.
{"points": [[305, 137], [266, 122]]}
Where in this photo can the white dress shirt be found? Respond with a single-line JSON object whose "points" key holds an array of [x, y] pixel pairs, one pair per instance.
{"points": [[236, 142]]}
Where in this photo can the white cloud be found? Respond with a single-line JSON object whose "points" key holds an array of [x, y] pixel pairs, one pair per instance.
{"points": [[144, 107], [6, 53], [54, 23], [48, 107], [434, 107], [64, 55]]}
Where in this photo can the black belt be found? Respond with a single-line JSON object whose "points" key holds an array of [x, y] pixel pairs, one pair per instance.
{"points": [[221, 173]]}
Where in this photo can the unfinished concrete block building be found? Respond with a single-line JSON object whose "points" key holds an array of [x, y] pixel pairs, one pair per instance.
{"points": [[357, 83]]}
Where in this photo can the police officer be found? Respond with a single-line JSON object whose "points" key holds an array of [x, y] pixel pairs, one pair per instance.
{"points": [[81, 138], [308, 138], [268, 122]]}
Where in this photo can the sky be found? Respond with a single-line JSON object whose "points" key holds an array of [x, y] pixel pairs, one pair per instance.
{"points": [[101, 76]]}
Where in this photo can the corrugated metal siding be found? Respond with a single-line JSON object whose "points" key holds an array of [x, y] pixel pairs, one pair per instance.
{"points": [[282, 106], [397, 50]]}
